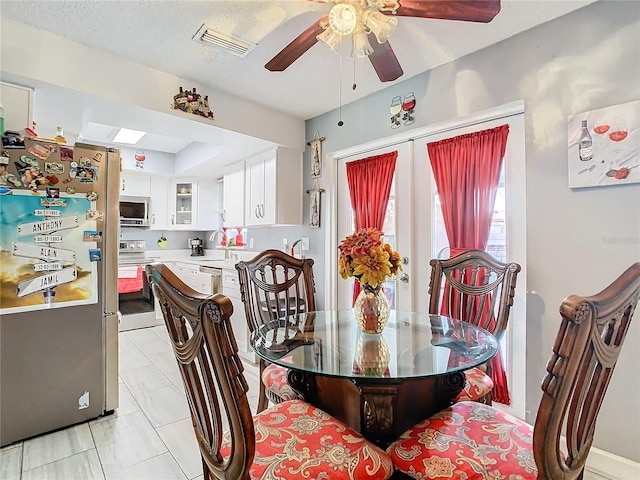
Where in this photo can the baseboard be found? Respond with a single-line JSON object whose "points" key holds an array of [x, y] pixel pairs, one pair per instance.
{"points": [[611, 466]]}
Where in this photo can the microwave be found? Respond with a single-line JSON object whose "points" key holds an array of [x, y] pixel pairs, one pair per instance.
{"points": [[134, 211]]}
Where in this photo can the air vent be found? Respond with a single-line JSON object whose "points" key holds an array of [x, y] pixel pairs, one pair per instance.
{"points": [[224, 41]]}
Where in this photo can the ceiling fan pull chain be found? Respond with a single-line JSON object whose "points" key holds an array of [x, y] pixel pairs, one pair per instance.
{"points": [[354, 74], [340, 122]]}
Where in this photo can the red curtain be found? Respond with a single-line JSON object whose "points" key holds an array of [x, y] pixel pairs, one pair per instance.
{"points": [[370, 182], [467, 171]]}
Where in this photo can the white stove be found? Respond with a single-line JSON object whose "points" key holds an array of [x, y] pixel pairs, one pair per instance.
{"points": [[135, 297]]}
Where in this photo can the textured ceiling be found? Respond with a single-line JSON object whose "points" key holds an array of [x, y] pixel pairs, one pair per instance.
{"points": [[158, 34]]}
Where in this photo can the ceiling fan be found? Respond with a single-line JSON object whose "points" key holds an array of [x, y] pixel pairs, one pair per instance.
{"points": [[371, 22]]}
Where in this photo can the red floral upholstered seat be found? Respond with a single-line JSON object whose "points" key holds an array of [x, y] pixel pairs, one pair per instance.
{"points": [[477, 385], [297, 440], [470, 440], [467, 441], [274, 378]]}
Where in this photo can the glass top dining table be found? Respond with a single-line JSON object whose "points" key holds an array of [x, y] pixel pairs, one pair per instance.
{"points": [[412, 345], [378, 384]]}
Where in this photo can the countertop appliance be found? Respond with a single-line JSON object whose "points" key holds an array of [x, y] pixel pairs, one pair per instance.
{"points": [[136, 302], [197, 247], [58, 316], [134, 211]]}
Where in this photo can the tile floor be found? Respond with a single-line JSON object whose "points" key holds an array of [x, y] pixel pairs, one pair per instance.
{"points": [[148, 437]]}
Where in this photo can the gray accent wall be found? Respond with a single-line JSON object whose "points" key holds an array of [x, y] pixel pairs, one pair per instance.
{"points": [[578, 241]]}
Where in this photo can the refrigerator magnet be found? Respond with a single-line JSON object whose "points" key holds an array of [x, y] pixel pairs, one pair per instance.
{"points": [[41, 151], [66, 154], [70, 190], [91, 236], [53, 192], [53, 168], [92, 196], [95, 215], [95, 254]]}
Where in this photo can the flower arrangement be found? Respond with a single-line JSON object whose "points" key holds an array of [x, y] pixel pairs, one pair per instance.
{"points": [[367, 257]]}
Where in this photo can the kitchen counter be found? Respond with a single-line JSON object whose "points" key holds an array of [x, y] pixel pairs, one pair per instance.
{"points": [[211, 258]]}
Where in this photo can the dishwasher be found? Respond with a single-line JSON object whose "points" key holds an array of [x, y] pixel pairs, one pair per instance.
{"points": [[216, 278]]}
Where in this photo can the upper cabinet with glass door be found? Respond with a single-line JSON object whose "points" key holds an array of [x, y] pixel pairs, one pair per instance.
{"points": [[183, 203]]}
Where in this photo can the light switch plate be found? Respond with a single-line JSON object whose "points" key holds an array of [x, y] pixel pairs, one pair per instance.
{"points": [[304, 244]]}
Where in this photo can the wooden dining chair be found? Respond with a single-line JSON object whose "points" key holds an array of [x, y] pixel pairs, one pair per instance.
{"points": [[274, 284], [476, 288], [475, 441], [290, 440]]}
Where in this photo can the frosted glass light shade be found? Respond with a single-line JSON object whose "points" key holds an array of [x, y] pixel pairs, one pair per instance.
{"points": [[331, 38], [343, 18], [361, 46], [381, 25]]}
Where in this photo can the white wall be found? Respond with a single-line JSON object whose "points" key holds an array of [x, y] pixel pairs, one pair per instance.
{"points": [[578, 241], [29, 54]]}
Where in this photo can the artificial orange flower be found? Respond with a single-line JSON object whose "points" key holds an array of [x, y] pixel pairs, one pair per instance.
{"points": [[365, 256]]}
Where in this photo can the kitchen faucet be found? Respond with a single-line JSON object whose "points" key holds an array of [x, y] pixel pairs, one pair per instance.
{"points": [[212, 238], [293, 249], [213, 235]]}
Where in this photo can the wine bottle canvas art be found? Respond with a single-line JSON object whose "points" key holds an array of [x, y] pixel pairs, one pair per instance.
{"points": [[604, 146]]}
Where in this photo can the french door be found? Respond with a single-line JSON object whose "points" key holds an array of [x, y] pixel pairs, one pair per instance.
{"points": [[414, 224], [399, 214]]}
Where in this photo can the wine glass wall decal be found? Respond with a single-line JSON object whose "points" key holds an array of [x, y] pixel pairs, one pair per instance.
{"points": [[395, 109], [408, 103]]}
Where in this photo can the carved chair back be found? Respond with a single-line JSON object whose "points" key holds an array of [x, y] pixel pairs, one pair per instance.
{"points": [[274, 284], [584, 356], [476, 288], [207, 355]]}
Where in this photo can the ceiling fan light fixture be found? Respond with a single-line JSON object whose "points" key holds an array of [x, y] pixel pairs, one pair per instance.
{"points": [[381, 25], [361, 46], [343, 18], [331, 38]]}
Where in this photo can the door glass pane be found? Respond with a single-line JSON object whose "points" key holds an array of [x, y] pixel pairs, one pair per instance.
{"points": [[389, 230]]}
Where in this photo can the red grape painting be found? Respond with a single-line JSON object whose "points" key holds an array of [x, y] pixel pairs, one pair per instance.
{"points": [[604, 146]]}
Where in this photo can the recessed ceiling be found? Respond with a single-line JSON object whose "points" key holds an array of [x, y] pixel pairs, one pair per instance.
{"points": [[100, 133]]}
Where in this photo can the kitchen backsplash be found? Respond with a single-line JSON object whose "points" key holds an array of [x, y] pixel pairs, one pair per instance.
{"points": [[175, 239]]}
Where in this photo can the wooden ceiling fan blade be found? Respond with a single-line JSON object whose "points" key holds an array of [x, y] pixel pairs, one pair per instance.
{"points": [[297, 47], [465, 10], [384, 60]]}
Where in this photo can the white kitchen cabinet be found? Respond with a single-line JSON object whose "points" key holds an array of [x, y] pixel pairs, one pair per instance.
{"points": [[190, 274], [134, 184], [183, 203], [274, 188], [231, 288], [17, 102], [207, 215], [234, 196], [158, 205]]}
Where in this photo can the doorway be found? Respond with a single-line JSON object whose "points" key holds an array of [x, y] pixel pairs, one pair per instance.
{"points": [[414, 226]]}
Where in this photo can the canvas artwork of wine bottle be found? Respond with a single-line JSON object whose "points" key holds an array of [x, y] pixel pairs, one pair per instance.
{"points": [[604, 146]]}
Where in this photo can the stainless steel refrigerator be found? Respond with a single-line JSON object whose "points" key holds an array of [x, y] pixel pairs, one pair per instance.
{"points": [[58, 273]]}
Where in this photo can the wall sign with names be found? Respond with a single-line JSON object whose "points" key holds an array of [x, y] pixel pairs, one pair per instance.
{"points": [[44, 253]]}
